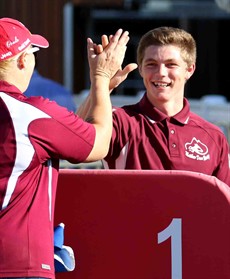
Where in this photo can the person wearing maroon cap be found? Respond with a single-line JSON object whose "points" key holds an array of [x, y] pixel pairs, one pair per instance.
{"points": [[33, 134], [160, 132]]}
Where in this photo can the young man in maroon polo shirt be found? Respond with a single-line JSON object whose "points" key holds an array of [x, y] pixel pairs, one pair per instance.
{"points": [[160, 132]]}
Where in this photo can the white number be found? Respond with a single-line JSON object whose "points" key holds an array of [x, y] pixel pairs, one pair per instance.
{"points": [[174, 231]]}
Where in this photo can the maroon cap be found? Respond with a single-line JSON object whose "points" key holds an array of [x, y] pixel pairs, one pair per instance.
{"points": [[15, 37]]}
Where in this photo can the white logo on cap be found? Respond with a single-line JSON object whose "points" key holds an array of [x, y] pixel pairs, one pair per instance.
{"points": [[23, 45], [10, 43], [4, 55]]}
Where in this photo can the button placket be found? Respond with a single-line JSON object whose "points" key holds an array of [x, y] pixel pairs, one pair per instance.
{"points": [[173, 140]]}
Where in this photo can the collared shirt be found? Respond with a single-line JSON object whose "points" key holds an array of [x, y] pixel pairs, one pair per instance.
{"points": [[145, 138], [34, 134]]}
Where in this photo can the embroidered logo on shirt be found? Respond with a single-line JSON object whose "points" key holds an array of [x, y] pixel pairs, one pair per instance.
{"points": [[46, 266], [197, 150]]}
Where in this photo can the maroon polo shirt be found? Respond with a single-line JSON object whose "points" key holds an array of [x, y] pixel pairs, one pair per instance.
{"points": [[34, 134], [145, 138]]}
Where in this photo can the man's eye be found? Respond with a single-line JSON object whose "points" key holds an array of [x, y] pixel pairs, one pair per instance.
{"points": [[170, 65], [151, 64]]}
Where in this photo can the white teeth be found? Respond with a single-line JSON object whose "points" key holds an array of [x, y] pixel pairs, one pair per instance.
{"points": [[161, 84]]}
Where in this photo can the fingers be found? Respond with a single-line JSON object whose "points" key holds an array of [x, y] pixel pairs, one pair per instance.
{"points": [[90, 48], [117, 45], [124, 38], [116, 36], [99, 49], [106, 59], [104, 41], [119, 39]]}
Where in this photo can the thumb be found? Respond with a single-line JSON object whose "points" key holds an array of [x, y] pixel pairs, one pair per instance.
{"points": [[121, 75], [128, 69]]}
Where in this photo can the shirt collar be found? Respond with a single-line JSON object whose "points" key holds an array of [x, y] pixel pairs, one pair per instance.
{"points": [[156, 115], [8, 88]]}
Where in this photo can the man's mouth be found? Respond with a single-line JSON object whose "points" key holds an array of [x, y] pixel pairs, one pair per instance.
{"points": [[161, 84]]}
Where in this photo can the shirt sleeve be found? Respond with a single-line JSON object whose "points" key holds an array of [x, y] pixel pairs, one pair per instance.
{"points": [[62, 135]]}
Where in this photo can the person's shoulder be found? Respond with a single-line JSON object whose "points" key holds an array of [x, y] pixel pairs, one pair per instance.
{"points": [[126, 117], [129, 110], [38, 101], [204, 123]]}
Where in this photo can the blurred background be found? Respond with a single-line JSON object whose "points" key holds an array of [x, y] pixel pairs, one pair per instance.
{"points": [[67, 24]]}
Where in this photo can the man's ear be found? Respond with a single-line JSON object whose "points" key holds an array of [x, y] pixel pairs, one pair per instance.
{"points": [[21, 61], [190, 71]]}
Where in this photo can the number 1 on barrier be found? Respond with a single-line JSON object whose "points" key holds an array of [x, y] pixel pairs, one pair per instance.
{"points": [[174, 231]]}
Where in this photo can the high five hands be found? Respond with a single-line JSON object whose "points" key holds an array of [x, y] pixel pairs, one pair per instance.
{"points": [[106, 59]]}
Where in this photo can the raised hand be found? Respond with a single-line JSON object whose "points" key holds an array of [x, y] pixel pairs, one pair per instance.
{"points": [[121, 74], [106, 61]]}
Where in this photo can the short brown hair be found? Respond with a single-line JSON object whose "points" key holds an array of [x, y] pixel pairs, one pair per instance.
{"points": [[168, 36]]}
